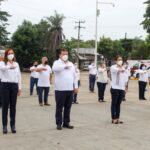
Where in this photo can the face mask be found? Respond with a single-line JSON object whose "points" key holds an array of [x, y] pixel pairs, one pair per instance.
{"points": [[65, 58], [10, 56], [120, 62], [143, 68]]}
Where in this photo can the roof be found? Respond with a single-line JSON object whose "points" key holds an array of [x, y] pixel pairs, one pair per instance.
{"points": [[87, 51]]}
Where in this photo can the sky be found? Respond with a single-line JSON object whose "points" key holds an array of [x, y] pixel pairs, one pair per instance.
{"points": [[113, 22]]}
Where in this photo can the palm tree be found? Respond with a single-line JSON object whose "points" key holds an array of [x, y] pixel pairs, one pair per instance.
{"points": [[55, 34]]}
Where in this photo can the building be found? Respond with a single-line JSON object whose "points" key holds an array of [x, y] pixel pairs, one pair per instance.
{"points": [[86, 56]]}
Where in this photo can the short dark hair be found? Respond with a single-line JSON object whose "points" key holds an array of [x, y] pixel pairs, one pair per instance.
{"points": [[59, 50], [142, 65], [116, 58]]}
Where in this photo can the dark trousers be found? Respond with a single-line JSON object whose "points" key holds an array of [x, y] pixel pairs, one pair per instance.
{"points": [[142, 87], [45, 91], [117, 96], [33, 81], [101, 90], [63, 102], [92, 79], [0, 94], [75, 95], [9, 98]]}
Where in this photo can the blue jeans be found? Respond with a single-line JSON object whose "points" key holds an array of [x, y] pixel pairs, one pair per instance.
{"points": [[45, 91], [92, 79], [33, 81]]}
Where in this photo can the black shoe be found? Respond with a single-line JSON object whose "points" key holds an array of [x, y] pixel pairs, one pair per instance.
{"points": [[46, 104], [68, 126], [76, 102], [59, 127], [13, 129], [144, 99], [103, 101], [5, 131]]}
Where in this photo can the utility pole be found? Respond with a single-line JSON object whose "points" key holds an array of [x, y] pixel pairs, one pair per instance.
{"points": [[79, 27], [96, 24]]}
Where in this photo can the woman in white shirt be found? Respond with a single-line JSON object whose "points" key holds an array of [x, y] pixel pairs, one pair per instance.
{"points": [[102, 80], [118, 86], [45, 78], [143, 79], [11, 87], [34, 78]]}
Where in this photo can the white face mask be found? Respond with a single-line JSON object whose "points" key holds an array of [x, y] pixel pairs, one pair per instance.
{"points": [[65, 58], [10, 56], [143, 68], [120, 62]]}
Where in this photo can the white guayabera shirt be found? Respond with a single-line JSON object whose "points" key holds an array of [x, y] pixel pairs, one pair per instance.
{"points": [[65, 79]]}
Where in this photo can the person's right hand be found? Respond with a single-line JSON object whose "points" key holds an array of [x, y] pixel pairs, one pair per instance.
{"points": [[44, 69]]}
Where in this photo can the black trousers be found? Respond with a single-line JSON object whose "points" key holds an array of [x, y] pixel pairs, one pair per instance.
{"points": [[92, 79], [0, 94], [101, 90], [117, 96], [9, 98], [142, 87], [63, 106], [45, 91]]}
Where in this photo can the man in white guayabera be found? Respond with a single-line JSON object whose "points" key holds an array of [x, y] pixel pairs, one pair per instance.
{"points": [[65, 85]]}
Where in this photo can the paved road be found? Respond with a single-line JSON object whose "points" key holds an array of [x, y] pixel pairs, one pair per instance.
{"points": [[93, 130]]}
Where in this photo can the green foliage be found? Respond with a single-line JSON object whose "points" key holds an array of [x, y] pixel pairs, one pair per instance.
{"points": [[32, 41], [146, 21], [3, 25]]}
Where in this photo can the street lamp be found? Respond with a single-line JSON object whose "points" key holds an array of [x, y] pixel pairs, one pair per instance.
{"points": [[96, 30]]}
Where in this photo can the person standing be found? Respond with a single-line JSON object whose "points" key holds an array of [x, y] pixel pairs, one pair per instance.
{"points": [[102, 80], [75, 95], [118, 86], [11, 87], [92, 76], [1, 60], [65, 85], [44, 81], [34, 78], [143, 80], [128, 74]]}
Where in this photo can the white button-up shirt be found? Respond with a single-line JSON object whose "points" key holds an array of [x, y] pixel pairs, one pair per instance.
{"points": [[44, 76], [10, 75], [118, 79], [34, 74], [102, 75], [92, 69], [143, 75], [77, 74], [65, 79]]}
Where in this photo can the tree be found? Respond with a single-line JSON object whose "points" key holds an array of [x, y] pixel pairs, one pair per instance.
{"points": [[25, 44], [3, 25], [146, 22], [55, 34]]}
